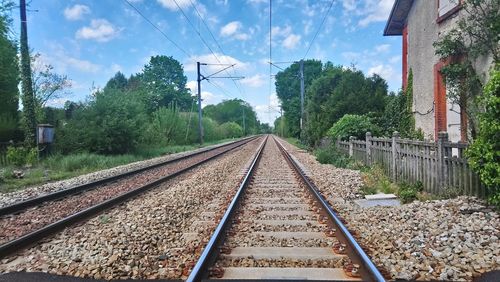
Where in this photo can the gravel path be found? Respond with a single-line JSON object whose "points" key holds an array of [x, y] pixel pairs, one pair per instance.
{"points": [[148, 237], [455, 239], [16, 225], [35, 191]]}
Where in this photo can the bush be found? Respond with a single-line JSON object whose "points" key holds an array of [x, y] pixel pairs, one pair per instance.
{"points": [[375, 180], [20, 156], [352, 125], [484, 153], [231, 130], [330, 155], [409, 192]]}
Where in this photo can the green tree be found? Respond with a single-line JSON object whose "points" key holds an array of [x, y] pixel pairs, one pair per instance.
{"points": [[165, 83], [231, 130], [337, 92], [484, 153], [232, 111], [118, 81], [9, 78], [288, 91]]}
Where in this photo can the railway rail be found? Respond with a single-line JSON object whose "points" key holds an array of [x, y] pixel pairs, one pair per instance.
{"points": [[24, 223], [279, 226]]}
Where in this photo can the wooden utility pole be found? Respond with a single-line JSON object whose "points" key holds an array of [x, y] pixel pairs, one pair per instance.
{"points": [[26, 83], [301, 96]]}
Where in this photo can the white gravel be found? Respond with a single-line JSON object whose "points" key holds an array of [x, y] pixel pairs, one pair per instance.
{"points": [[454, 239], [34, 191], [152, 236]]}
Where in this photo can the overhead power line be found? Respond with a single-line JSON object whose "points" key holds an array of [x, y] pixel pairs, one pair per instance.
{"points": [[319, 28], [157, 28]]}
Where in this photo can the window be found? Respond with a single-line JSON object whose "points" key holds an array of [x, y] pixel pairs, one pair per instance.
{"points": [[447, 5]]}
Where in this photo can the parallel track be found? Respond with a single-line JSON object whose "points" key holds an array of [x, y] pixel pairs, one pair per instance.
{"points": [[32, 237], [272, 209]]}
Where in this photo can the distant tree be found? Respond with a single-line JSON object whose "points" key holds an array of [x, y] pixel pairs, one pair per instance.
{"points": [[47, 84], [339, 91], [288, 91], [165, 83], [119, 81], [232, 111]]}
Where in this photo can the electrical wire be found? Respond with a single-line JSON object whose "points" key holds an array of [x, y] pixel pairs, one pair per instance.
{"points": [[157, 28], [319, 28]]}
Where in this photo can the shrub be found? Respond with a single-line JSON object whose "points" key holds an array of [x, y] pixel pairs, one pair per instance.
{"points": [[409, 192], [231, 130], [330, 155], [20, 156], [375, 180], [484, 153], [352, 125]]}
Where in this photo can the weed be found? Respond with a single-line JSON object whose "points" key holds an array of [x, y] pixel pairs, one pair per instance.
{"points": [[331, 155]]}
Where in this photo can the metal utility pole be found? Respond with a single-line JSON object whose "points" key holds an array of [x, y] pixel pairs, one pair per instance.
{"points": [[244, 124], [301, 95], [200, 78], [200, 125], [282, 123]]}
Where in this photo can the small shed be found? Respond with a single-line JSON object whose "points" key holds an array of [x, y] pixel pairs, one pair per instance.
{"points": [[45, 133]]}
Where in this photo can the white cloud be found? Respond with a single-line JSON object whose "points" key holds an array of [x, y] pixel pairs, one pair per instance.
{"points": [[212, 62], [100, 30], [56, 102], [207, 97], [382, 48], [76, 12], [376, 11], [232, 29], [385, 71], [349, 5], [254, 81], [291, 41], [116, 68], [58, 57], [172, 6], [268, 112], [395, 59], [257, 1]]}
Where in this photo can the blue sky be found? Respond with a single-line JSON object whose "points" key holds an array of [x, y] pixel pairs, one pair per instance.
{"points": [[91, 40]]}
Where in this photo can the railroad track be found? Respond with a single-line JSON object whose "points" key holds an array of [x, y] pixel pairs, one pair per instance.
{"points": [[279, 226], [25, 223]]}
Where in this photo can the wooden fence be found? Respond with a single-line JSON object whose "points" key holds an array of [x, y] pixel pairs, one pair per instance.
{"points": [[437, 165]]}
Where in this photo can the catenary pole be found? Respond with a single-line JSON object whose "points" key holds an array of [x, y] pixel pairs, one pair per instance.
{"points": [[301, 95], [200, 124]]}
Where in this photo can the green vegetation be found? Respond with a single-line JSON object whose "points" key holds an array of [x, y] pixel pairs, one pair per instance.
{"points": [[58, 166], [353, 125], [484, 153], [330, 155]]}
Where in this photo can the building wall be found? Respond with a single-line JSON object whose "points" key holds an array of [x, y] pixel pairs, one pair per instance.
{"points": [[423, 31]]}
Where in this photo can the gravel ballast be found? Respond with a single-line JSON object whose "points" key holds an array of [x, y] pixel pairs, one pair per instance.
{"points": [[35, 191], [152, 236], [453, 239]]}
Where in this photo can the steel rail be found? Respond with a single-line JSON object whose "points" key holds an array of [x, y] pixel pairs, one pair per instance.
{"points": [[31, 238], [373, 273], [209, 255], [22, 205]]}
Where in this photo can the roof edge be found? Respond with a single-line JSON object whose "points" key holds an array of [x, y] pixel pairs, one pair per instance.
{"points": [[397, 17]]}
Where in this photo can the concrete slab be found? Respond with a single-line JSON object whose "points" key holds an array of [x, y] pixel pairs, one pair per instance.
{"points": [[294, 253], [286, 273], [372, 203], [381, 196], [284, 206], [289, 212], [291, 235], [288, 222]]}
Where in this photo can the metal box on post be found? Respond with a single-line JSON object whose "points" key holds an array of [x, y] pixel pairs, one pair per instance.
{"points": [[45, 134]]}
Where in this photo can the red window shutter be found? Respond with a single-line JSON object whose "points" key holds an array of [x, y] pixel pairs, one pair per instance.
{"points": [[405, 57], [439, 100]]}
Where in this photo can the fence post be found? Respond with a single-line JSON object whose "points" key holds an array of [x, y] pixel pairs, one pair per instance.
{"points": [[395, 137], [368, 148], [441, 153], [351, 150], [337, 143]]}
